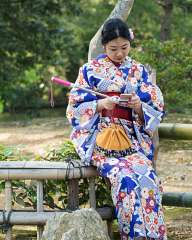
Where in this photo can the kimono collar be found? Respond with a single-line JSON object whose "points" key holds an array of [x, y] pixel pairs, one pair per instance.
{"points": [[127, 62]]}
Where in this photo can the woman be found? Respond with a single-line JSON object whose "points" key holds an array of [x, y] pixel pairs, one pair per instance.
{"points": [[115, 133]]}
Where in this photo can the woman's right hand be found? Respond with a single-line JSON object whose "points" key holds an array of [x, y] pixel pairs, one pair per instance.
{"points": [[106, 103]]}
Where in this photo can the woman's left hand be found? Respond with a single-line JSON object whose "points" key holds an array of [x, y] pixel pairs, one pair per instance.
{"points": [[134, 102]]}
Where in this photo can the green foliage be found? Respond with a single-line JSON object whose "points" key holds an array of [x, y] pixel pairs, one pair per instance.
{"points": [[11, 153], [1, 106], [172, 61], [65, 152], [55, 192], [29, 33], [40, 38]]}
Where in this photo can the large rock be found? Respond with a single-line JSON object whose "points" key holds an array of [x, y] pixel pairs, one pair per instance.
{"points": [[84, 224]]}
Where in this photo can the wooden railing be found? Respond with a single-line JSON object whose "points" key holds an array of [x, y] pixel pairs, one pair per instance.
{"points": [[44, 170], [40, 171]]}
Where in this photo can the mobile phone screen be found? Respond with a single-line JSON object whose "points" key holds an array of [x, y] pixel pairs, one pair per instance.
{"points": [[125, 97]]}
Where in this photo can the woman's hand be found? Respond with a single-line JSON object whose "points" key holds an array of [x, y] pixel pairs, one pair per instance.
{"points": [[106, 103], [134, 102]]}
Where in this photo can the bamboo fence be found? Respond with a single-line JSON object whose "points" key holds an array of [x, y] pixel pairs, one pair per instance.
{"points": [[43, 170]]}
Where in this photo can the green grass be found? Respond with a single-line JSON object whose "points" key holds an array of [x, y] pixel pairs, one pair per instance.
{"points": [[29, 115]]}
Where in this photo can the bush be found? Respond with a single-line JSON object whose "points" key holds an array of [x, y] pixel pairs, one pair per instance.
{"points": [[55, 192], [173, 63]]}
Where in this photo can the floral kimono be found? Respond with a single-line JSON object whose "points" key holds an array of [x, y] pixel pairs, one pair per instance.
{"points": [[135, 188]]}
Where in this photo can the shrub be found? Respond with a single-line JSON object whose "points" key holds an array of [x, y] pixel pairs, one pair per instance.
{"points": [[173, 63], [55, 192]]}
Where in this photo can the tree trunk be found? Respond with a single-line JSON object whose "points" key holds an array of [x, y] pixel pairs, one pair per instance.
{"points": [[121, 10], [167, 6]]}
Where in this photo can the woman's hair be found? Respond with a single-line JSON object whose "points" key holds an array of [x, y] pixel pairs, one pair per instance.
{"points": [[114, 28]]}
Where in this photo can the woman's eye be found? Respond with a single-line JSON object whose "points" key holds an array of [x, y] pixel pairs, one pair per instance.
{"points": [[124, 48], [113, 50]]}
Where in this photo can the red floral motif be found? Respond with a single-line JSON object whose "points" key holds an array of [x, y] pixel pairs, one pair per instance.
{"points": [[98, 157], [142, 162], [144, 87], [131, 158], [76, 134], [70, 114], [75, 98], [160, 188], [128, 164], [122, 195], [153, 97], [96, 63], [71, 98], [119, 73], [89, 112], [160, 106], [134, 68], [156, 221], [148, 209], [97, 70], [81, 80], [151, 203], [152, 227], [162, 229], [147, 219]]}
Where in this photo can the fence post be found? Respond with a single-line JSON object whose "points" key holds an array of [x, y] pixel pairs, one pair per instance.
{"points": [[39, 207], [73, 194], [8, 205], [92, 197]]}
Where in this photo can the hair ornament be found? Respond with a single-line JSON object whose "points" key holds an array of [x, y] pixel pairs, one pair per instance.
{"points": [[131, 33]]}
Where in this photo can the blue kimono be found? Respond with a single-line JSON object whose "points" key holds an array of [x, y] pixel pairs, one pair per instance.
{"points": [[135, 187]]}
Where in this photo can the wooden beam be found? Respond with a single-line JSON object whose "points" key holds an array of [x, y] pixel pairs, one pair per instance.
{"points": [[177, 199], [175, 131], [40, 218], [43, 170]]}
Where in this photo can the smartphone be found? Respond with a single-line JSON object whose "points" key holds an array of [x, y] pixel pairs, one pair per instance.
{"points": [[124, 97]]}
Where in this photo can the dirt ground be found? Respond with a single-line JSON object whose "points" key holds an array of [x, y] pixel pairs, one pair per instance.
{"points": [[174, 166]]}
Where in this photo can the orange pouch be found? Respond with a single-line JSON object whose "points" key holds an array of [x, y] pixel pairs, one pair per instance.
{"points": [[113, 138]]}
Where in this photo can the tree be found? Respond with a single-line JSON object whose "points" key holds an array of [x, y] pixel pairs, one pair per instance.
{"points": [[166, 18], [121, 10], [167, 6], [29, 38]]}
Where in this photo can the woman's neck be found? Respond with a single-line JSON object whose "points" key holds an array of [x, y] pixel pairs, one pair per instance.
{"points": [[117, 64]]}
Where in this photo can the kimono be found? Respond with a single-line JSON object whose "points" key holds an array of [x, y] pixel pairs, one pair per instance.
{"points": [[135, 188]]}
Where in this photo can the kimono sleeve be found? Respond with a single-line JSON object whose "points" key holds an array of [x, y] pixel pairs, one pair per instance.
{"points": [[152, 103], [82, 105], [83, 117]]}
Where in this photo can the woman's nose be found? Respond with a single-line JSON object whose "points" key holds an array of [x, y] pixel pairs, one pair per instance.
{"points": [[119, 54]]}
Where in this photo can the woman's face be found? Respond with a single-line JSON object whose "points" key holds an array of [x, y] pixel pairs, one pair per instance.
{"points": [[117, 49]]}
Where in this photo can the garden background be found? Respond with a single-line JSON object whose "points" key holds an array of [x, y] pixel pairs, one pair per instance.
{"points": [[39, 39]]}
